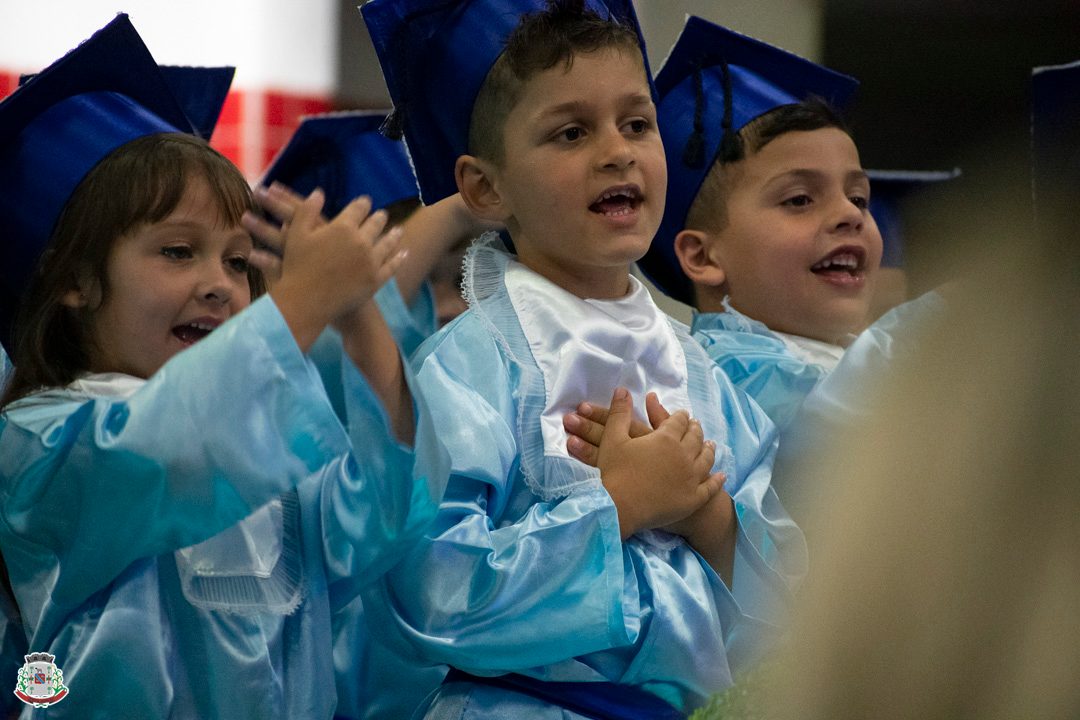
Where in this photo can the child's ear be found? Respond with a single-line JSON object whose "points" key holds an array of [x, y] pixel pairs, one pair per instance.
{"points": [[693, 247], [80, 296], [475, 181]]}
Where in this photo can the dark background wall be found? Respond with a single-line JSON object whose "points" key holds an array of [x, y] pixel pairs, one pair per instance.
{"points": [[947, 84]]}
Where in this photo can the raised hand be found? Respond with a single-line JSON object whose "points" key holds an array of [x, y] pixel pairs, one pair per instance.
{"points": [[328, 268]]}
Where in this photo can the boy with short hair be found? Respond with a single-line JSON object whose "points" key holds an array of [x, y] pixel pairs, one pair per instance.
{"points": [[555, 589], [767, 231]]}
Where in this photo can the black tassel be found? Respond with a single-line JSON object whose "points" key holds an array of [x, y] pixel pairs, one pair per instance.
{"points": [[731, 147], [694, 152]]}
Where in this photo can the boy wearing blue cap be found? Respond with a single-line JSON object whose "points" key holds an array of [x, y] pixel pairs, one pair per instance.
{"points": [[180, 509], [552, 588], [767, 231]]}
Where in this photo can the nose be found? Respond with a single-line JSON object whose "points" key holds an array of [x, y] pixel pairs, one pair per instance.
{"points": [[616, 150], [847, 216], [215, 285]]}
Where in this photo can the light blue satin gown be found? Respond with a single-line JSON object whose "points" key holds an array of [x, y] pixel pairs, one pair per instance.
{"points": [[758, 362], [507, 581], [127, 523], [374, 682]]}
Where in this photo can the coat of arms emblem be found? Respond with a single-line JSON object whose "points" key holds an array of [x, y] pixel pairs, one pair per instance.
{"points": [[40, 682]]}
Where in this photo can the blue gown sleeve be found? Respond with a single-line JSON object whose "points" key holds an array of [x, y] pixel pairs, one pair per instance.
{"points": [[409, 324], [501, 582], [770, 553], [98, 483], [372, 514]]}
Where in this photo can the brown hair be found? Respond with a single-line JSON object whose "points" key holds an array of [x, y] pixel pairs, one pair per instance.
{"points": [[708, 211], [539, 42], [140, 182]]}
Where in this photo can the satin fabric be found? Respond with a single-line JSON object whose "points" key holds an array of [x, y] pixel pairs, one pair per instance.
{"points": [[98, 493], [12, 638], [775, 370], [624, 342], [841, 398], [506, 581], [374, 682]]}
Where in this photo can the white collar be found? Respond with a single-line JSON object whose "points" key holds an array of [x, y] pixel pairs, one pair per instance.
{"points": [[809, 350], [585, 348], [116, 385]]}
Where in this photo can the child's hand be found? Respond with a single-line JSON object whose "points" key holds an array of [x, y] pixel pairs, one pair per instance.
{"points": [[586, 427], [712, 531], [328, 268], [659, 478]]}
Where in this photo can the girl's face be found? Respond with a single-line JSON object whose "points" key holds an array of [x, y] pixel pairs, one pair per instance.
{"points": [[170, 284]]}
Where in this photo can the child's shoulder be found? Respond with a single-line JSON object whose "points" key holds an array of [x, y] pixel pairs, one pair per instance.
{"points": [[465, 340]]}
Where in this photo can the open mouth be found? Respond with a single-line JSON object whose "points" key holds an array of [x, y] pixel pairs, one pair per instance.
{"points": [[617, 201], [192, 332], [847, 261]]}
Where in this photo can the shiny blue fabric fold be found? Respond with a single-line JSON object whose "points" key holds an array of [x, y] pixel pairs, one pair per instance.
{"points": [[373, 682], [758, 363], [98, 493]]}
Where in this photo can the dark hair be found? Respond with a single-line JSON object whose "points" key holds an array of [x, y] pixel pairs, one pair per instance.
{"points": [[539, 42], [140, 182], [709, 208]]}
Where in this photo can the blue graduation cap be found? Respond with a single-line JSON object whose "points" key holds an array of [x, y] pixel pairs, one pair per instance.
{"points": [[435, 55], [1055, 140], [201, 92], [345, 155], [715, 81], [888, 189], [58, 126]]}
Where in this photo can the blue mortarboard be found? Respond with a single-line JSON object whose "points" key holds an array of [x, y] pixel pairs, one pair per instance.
{"points": [[346, 156], [435, 55], [888, 188], [1055, 138], [694, 109], [58, 126], [201, 92]]}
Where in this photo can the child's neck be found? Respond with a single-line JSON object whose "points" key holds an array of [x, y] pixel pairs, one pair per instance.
{"points": [[599, 283]]}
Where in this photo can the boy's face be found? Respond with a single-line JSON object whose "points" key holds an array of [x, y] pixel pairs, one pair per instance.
{"points": [[800, 250], [583, 180], [170, 284]]}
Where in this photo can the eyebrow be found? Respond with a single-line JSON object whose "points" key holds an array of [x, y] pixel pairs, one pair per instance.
{"points": [[633, 100], [814, 175]]}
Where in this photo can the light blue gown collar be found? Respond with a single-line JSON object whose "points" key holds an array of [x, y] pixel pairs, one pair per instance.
{"points": [[808, 350]]}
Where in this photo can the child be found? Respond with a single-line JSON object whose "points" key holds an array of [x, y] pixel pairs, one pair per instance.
{"points": [[552, 588], [766, 231], [180, 509], [346, 156]]}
